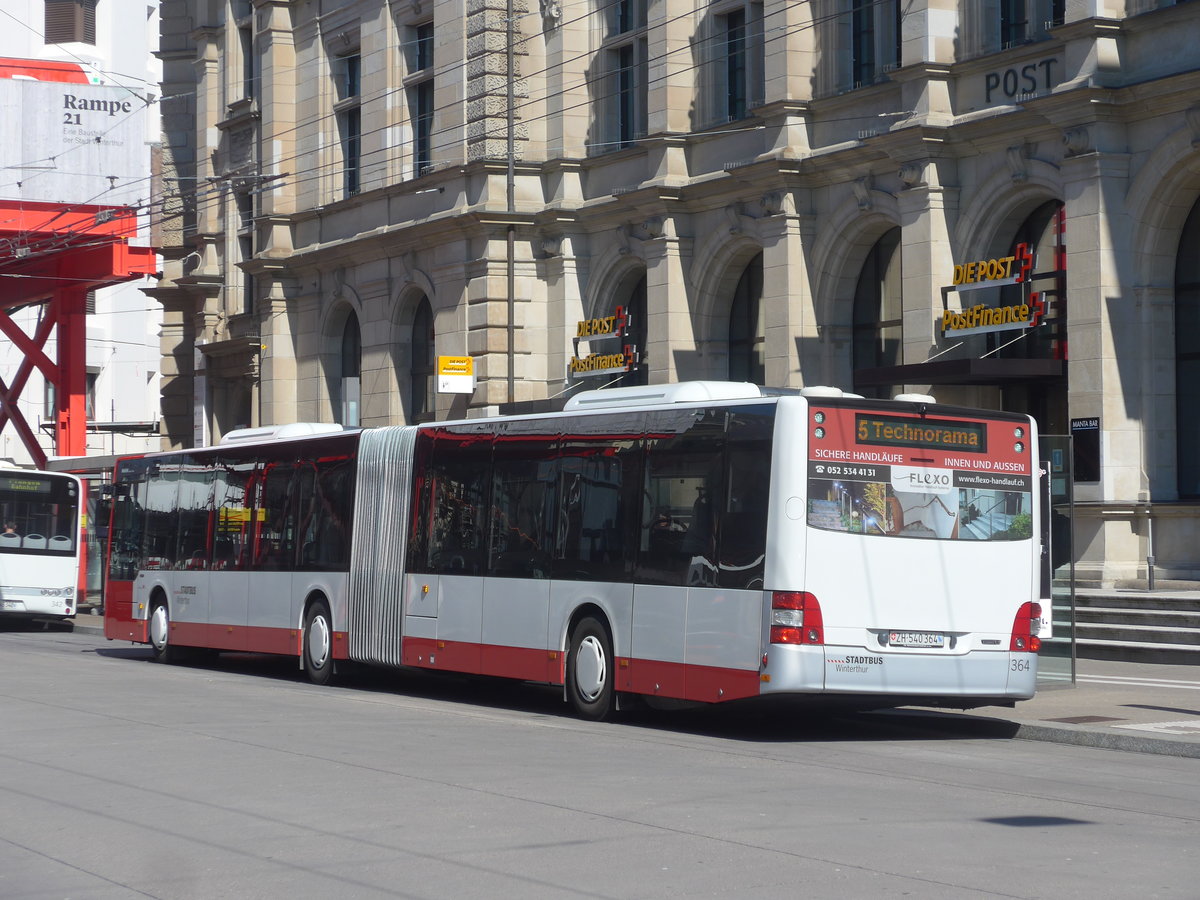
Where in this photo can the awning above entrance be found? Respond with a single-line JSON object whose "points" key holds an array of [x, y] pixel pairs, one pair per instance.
{"points": [[963, 371]]}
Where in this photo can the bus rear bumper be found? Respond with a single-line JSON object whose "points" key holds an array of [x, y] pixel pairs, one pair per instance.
{"points": [[832, 669]]}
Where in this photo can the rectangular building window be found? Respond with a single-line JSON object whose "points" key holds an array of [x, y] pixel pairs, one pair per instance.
{"points": [[874, 40], [623, 90], [731, 81], [420, 95], [50, 398], [249, 69], [1014, 23], [245, 242], [70, 21], [347, 87]]}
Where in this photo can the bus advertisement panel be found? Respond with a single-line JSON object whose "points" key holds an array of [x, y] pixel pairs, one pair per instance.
{"points": [[920, 477]]}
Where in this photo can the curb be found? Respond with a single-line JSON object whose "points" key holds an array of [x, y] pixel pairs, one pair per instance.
{"points": [[1054, 734]]}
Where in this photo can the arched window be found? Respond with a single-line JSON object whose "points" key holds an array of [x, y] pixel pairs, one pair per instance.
{"points": [[1044, 232], [421, 371], [351, 369], [1187, 356], [747, 333], [635, 308], [877, 330]]}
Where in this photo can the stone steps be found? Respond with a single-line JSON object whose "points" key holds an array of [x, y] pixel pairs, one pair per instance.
{"points": [[1136, 627]]}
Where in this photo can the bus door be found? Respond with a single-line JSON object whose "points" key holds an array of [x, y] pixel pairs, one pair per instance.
{"points": [[232, 533], [516, 595], [697, 618]]}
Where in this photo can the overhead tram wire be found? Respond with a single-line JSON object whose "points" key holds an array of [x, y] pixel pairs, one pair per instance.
{"points": [[333, 168]]}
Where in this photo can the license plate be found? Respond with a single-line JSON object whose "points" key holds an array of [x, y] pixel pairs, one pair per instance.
{"points": [[916, 639]]}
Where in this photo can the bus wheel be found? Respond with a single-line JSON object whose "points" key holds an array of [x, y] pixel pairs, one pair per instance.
{"points": [[590, 670], [160, 634], [318, 643]]}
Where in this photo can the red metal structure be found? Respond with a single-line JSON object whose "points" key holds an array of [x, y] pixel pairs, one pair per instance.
{"points": [[51, 256]]}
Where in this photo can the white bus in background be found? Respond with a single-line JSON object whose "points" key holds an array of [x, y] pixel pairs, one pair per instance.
{"points": [[703, 541], [40, 529]]}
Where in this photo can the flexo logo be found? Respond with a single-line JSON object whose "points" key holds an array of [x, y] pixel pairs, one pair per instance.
{"points": [[922, 481]]}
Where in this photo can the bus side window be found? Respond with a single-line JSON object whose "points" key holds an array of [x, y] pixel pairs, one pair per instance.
{"points": [[195, 498], [599, 485], [686, 489], [522, 521], [743, 538], [128, 519], [160, 539], [335, 502], [460, 473], [232, 525], [274, 546]]}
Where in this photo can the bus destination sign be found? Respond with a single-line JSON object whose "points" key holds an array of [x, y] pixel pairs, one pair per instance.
{"points": [[25, 485], [934, 434]]}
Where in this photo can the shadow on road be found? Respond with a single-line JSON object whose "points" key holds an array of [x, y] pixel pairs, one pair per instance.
{"points": [[763, 720]]}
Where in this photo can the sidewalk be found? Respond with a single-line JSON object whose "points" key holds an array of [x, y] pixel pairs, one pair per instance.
{"points": [[1139, 707]]}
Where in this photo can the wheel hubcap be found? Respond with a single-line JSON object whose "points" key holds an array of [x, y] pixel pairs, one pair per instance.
{"points": [[591, 668], [158, 627], [318, 642]]}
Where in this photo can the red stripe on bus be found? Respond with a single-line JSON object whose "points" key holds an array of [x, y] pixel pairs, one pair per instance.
{"points": [[709, 684], [119, 623], [642, 676], [524, 663]]}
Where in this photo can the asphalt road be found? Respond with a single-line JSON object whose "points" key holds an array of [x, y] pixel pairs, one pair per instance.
{"points": [[121, 778]]}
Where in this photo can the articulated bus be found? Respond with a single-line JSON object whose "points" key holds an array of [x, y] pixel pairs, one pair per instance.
{"points": [[40, 531], [703, 541]]}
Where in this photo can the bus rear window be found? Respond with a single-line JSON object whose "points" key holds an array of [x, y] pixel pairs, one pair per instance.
{"points": [[919, 476]]}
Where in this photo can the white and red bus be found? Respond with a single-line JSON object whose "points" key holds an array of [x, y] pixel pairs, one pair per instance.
{"points": [[705, 541], [40, 546]]}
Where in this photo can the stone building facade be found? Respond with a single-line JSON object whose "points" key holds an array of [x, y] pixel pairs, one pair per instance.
{"points": [[786, 193]]}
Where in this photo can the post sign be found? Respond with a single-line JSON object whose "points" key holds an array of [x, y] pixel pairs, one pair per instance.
{"points": [[456, 375], [979, 318], [601, 357]]}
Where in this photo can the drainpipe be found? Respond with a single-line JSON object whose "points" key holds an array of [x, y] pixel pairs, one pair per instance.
{"points": [[512, 228]]}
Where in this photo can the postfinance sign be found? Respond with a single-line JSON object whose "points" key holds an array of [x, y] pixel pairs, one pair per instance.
{"points": [[995, 272], [980, 318]]}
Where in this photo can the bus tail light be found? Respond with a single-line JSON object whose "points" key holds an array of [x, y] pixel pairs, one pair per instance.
{"points": [[1024, 631], [796, 618]]}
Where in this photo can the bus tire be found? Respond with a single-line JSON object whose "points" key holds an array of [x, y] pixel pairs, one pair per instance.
{"points": [[318, 643], [590, 670], [159, 628]]}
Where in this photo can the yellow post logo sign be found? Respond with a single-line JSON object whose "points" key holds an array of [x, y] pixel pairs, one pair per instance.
{"points": [[456, 375], [991, 272], [605, 328], [983, 273]]}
